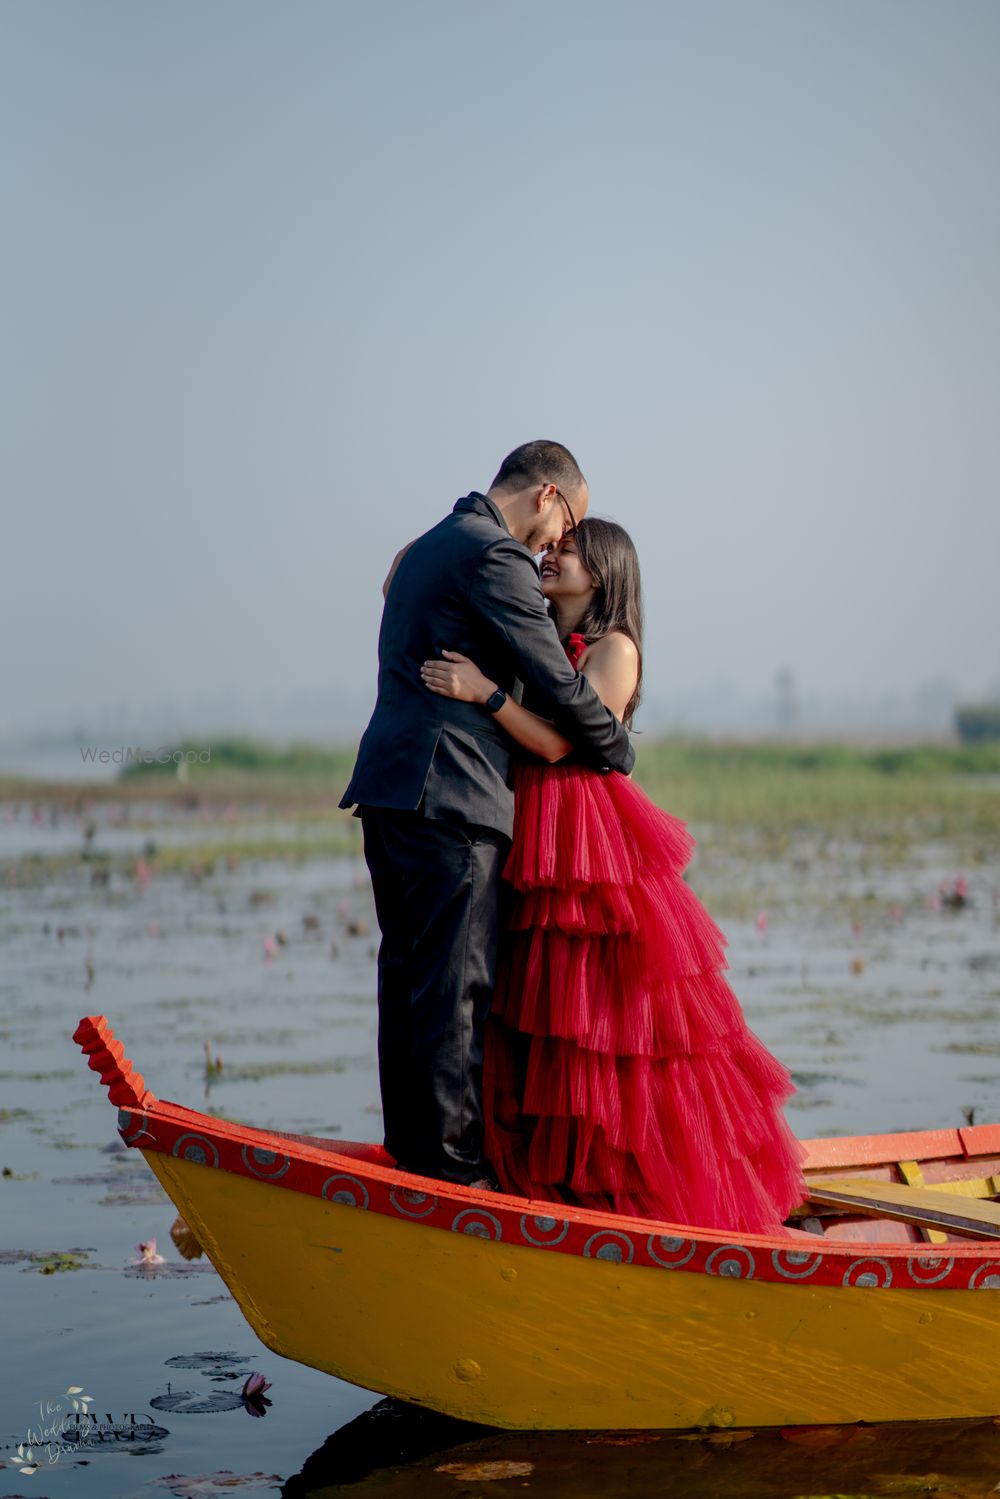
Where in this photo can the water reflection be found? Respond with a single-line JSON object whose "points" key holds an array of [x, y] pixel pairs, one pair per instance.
{"points": [[395, 1450]]}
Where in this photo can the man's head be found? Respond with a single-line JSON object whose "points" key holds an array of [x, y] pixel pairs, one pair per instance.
{"points": [[542, 493]]}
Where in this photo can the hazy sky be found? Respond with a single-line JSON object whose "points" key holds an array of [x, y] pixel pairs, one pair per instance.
{"points": [[282, 281]]}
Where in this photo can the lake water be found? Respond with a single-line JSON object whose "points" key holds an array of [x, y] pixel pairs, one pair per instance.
{"points": [[889, 1023]]}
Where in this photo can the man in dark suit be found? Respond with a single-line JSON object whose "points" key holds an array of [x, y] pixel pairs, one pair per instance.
{"points": [[432, 786]]}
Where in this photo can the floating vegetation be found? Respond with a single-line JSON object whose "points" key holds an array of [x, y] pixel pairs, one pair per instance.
{"points": [[213, 1065], [48, 1261], [37, 1077], [166, 1272], [254, 1071], [130, 1169], [212, 1364], [197, 1403], [205, 1485], [813, 1079], [228, 1118], [7, 1116]]}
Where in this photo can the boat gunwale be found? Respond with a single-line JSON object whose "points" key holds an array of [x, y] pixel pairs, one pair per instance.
{"points": [[269, 1157]]}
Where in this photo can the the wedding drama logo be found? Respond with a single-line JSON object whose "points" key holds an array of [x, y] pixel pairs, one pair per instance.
{"points": [[66, 1424]]}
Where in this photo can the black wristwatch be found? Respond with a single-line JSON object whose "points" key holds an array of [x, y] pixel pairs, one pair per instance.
{"points": [[495, 701]]}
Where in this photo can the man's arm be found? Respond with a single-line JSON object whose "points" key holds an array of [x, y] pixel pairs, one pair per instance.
{"points": [[507, 596]]}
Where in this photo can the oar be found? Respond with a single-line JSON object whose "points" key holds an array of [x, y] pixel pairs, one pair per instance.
{"points": [[922, 1206]]}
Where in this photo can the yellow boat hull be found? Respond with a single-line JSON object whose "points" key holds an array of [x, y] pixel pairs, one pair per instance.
{"points": [[514, 1336], [536, 1315]]}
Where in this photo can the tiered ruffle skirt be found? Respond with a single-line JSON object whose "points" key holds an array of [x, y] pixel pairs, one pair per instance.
{"points": [[619, 1071]]}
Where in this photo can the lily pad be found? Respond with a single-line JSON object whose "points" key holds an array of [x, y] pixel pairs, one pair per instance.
{"points": [[196, 1402], [206, 1485], [210, 1363]]}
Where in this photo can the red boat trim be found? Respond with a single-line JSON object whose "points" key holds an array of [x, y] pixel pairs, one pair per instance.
{"points": [[875, 1150], [148, 1123]]}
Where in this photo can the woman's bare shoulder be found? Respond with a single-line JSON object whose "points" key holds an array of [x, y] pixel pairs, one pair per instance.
{"points": [[612, 667], [614, 649]]}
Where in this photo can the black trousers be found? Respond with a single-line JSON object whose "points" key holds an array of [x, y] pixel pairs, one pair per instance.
{"points": [[436, 897]]}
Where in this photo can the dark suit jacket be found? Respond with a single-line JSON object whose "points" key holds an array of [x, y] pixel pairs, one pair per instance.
{"points": [[466, 585]]}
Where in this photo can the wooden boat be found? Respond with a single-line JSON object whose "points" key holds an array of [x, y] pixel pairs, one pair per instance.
{"points": [[883, 1305]]}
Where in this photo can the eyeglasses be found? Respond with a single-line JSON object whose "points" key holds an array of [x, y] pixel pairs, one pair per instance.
{"points": [[569, 511]]}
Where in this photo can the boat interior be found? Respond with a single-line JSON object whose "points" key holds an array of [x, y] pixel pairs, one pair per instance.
{"points": [[929, 1186]]}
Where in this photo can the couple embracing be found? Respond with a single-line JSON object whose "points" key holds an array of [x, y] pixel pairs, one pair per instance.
{"points": [[553, 1015]]}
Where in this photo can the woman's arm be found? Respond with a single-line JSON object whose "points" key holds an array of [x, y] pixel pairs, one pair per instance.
{"points": [[611, 665], [395, 563], [531, 732], [460, 678]]}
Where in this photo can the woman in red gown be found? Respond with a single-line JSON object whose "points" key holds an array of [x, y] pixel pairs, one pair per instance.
{"points": [[618, 1071]]}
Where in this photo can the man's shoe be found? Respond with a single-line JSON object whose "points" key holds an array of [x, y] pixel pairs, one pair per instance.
{"points": [[481, 1183], [484, 1184]]}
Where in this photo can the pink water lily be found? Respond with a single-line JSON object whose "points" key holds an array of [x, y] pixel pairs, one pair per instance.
{"points": [[145, 1254], [255, 1402], [256, 1385]]}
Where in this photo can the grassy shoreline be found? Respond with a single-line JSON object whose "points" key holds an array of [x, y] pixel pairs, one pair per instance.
{"points": [[761, 794]]}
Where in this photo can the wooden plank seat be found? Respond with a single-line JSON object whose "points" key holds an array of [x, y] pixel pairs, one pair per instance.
{"points": [[941, 1208]]}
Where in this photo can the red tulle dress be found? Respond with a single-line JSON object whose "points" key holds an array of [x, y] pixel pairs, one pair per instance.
{"points": [[619, 1071]]}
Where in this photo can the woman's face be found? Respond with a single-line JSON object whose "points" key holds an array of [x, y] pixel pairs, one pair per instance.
{"points": [[563, 573]]}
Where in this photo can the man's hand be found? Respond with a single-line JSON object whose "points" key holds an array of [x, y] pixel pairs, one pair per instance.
{"points": [[457, 677]]}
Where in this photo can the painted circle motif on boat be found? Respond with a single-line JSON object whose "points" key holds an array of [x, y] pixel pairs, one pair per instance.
{"points": [[474, 1221], [986, 1277], [546, 1232], [607, 1244], [928, 1269], [132, 1127], [669, 1252], [795, 1264], [412, 1204], [732, 1260], [353, 1193], [196, 1148], [266, 1164], [872, 1273]]}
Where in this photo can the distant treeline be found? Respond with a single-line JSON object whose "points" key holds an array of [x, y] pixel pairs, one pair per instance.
{"points": [[257, 756], [976, 723], [779, 755], [680, 753]]}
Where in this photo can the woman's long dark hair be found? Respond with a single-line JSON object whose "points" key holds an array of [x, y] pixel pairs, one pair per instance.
{"points": [[608, 553]]}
